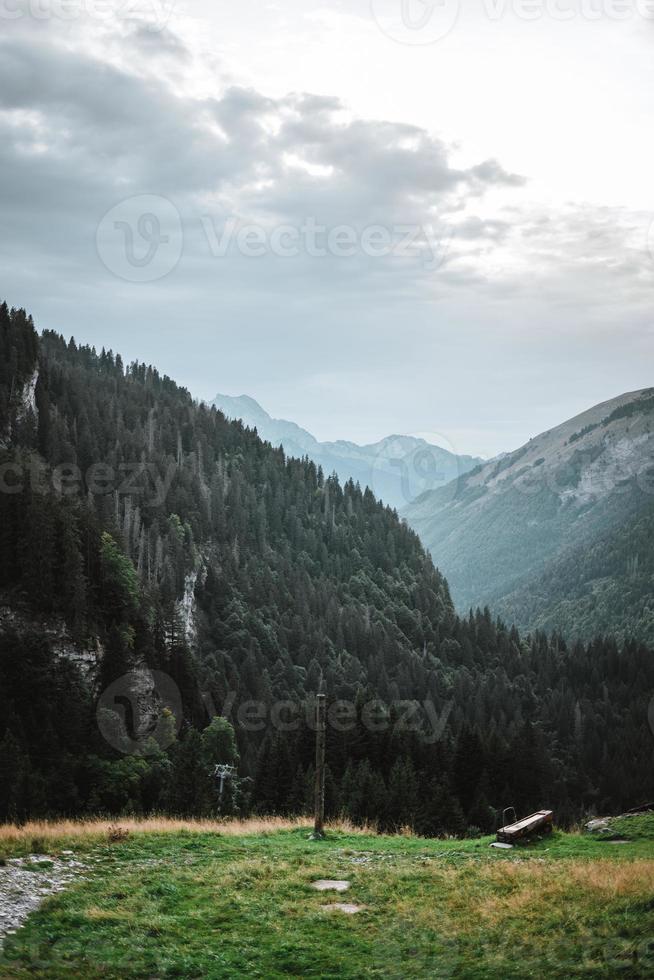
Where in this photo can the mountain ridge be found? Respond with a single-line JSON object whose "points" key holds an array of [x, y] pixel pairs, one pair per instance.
{"points": [[397, 467], [565, 489]]}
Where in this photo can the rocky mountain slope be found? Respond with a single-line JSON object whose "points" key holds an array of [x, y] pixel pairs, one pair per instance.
{"points": [[397, 469], [557, 535]]}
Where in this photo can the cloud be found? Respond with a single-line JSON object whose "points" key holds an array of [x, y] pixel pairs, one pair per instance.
{"points": [[90, 118], [160, 42], [81, 132], [84, 122]]}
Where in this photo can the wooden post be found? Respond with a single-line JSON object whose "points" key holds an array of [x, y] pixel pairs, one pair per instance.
{"points": [[319, 796]]}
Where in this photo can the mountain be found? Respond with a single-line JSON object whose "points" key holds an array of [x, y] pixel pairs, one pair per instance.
{"points": [[557, 535], [397, 469], [174, 591]]}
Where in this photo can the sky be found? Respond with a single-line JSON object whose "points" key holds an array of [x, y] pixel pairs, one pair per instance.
{"points": [[422, 217]]}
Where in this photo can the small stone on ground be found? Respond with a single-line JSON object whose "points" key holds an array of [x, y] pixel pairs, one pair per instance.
{"points": [[343, 907], [328, 885]]}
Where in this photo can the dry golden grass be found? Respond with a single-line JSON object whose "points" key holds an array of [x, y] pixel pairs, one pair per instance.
{"points": [[50, 830], [518, 887]]}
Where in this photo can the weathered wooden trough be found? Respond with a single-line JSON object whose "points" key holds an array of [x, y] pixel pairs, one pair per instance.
{"points": [[540, 822]]}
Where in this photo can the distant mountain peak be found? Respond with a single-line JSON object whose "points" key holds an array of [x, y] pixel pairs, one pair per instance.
{"points": [[241, 407], [395, 467]]}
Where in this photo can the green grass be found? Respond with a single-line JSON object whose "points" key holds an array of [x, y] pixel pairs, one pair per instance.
{"points": [[198, 904]]}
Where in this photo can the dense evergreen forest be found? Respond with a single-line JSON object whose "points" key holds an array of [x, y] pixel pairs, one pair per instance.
{"points": [[146, 528], [599, 585]]}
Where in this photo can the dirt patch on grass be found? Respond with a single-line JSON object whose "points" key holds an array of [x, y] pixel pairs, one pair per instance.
{"points": [[26, 882]]}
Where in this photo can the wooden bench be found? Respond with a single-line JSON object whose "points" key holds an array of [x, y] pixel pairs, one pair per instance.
{"points": [[542, 822]]}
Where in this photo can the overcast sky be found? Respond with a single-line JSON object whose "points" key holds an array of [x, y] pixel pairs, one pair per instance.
{"points": [[374, 217]]}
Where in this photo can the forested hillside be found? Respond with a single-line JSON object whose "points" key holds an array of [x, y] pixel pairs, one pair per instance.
{"points": [[146, 529], [599, 585], [557, 535]]}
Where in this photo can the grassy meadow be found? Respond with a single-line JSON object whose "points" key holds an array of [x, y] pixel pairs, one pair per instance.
{"points": [[189, 899]]}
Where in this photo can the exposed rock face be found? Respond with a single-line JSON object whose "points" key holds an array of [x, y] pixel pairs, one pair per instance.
{"points": [[87, 660], [146, 699], [23, 405], [27, 402], [187, 606], [86, 656], [134, 711]]}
